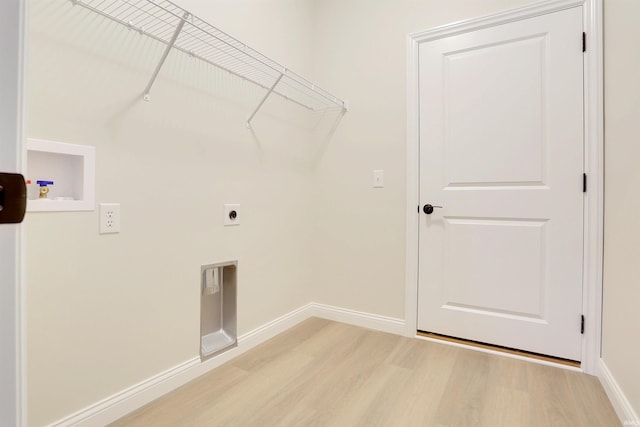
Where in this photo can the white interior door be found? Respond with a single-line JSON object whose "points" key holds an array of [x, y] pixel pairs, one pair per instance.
{"points": [[501, 150], [11, 40]]}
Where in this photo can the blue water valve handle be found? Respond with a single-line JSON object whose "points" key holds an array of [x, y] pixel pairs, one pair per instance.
{"points": [[44, 183]]}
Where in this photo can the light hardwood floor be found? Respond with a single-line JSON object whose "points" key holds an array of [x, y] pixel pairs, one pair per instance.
{"points": [[323, 373]]}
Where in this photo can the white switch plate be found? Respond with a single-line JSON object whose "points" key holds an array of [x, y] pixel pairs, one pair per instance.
{"points": [[378, 178], [109, 218], [231, 214]]}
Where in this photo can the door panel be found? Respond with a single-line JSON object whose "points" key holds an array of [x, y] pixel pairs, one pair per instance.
{"points": [[497, 254], [12, 22], [482, 107], [501, 150]]}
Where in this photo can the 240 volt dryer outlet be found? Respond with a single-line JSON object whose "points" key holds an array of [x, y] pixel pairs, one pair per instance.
{"points": [[231, 214]]}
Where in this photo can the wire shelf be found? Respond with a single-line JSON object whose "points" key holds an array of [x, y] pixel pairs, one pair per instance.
{"points": [[178, 29]]}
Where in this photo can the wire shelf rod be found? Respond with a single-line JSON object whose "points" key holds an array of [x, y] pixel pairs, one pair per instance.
{"points": [[172, 42], [160, 19], [263, 100], [228, 44]]}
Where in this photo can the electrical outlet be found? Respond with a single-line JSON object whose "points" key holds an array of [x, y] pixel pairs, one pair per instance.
{"points": [[231, 214], [109, 218]]}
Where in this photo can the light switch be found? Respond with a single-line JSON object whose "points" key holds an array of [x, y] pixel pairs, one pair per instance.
{"points": [[378, 178]]}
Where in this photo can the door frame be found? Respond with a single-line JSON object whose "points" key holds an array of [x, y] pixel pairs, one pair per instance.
{"points": [[13, 15], [593, 161]]}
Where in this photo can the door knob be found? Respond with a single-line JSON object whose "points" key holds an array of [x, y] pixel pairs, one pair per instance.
{"points": [[428, 209], [13, 198]]}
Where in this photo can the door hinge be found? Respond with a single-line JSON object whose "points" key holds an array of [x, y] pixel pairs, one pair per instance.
{"points": [[582, 324], [584, 42], [584, 182]]}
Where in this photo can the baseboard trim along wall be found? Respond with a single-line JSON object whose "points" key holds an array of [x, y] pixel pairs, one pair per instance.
{"points": [[102, 412], [138, 395], [620, 403], [391, 325]]}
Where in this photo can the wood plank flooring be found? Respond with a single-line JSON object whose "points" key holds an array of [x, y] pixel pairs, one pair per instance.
{"points": [[499, 349], [323, 373]]}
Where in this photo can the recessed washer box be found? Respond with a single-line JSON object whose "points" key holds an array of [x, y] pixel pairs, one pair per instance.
{"points": [[71, 167]]}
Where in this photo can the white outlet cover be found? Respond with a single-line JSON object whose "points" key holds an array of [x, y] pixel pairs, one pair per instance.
{"points": [[378, 178], [231, 214], [109, 218]]}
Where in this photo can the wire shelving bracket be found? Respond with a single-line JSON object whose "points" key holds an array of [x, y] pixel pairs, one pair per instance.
{"points": [[178, 29]]}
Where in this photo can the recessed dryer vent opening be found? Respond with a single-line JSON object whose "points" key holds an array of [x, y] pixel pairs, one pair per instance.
{"points": [[218, 308]]}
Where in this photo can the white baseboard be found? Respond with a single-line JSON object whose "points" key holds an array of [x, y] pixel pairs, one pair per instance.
{"points": [[391, 325], [113, 407], [273, 328], [620, 403], [138, 395]]}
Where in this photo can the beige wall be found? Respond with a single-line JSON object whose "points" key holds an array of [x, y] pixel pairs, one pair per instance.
{"points": [[108, 311], [360, 50], [360, 53], [621, 323]]}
